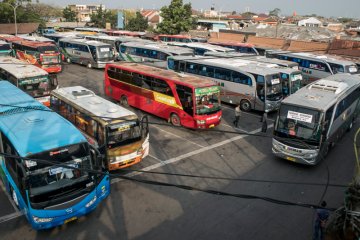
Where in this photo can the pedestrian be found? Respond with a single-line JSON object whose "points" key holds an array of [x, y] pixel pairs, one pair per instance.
{"points": [[321, 218], [264, 123], [237, 115]]}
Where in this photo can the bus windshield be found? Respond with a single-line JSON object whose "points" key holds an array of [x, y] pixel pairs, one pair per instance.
{"points": [[273, 88], [207, 100], [123, 133], [105, 53], [295, 82], [35, 86], [49, 59], [48, 49], [5, 47], [299, 123], [48, 182]]}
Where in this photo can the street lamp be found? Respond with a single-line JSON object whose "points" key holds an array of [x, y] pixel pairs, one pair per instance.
{"points": [[14, 7]]}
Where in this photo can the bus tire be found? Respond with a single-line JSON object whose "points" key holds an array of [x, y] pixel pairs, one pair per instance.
{"points": [[88, 65], [245, 105], [124, 101], [175, 120], [14, 197]]}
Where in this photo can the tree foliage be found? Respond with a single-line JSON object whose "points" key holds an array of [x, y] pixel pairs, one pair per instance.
{"points": [[138, 23], [176, 18], [101, 17], [275, 12], [69, 15]]}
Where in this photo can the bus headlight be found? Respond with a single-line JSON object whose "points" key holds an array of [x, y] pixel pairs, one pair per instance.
{"points": [[200, 122], [92, 201], [42, 220]]}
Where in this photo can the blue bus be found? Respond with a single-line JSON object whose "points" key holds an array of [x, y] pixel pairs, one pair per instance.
{"points": [[32, 139]]}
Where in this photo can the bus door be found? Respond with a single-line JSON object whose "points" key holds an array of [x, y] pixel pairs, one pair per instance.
{"points": [[285, 84]]}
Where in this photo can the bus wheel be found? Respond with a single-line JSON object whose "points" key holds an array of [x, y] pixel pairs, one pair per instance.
{"points": [[89, 65], [175, 120], [245, 105], [124, 101], [14, 197]]}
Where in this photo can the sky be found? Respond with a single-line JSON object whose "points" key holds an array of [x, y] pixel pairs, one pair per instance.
{"points": [[327, 8]]}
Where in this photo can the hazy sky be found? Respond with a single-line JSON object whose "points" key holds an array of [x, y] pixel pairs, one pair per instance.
{"points": [[337, 8]]}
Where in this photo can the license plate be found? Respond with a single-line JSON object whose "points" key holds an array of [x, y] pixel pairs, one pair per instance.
{"points": [[70, 220], [290, 159]]}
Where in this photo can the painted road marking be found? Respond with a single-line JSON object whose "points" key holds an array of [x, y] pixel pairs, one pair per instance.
{"points": [[154, 166]]}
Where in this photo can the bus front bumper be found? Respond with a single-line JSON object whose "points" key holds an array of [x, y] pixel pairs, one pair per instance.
{"points": [[298, 155]]}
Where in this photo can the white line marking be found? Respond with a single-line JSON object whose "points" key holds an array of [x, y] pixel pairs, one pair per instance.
{"points": [[247, 113], [155, 158], [154, 166], [178, 136], [237, 128]]}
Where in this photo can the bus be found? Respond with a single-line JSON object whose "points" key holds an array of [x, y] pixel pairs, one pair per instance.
{"points": [[5, 48], [201, 48], [238, 46], [314, 67], [124, 33], [173, 38], [183, 100], [48, 168], [89, 53], [313, 119], [154, 54], [120, 136], [29, 78], [255, 87], [35, 38], [40, 54]]}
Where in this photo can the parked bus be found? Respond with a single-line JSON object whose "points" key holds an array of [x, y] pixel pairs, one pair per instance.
{"points": [[40, 54], [39, 146], [240, 82], [29, 78], [89, 53], [118, 133], [5, 48], [201, 48], [238, 46], [314, 67], [59, 35], [183, 100], [151, 54], [313, 119], [124, 33], [35, 38], [173, 38]]}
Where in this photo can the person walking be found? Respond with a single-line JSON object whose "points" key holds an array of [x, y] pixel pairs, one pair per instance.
{"points": [[237, 116], [321, 218], [264, 123]]}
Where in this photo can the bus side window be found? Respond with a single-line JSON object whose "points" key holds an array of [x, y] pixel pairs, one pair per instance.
{"points": [[328, 116], [10, 161]]}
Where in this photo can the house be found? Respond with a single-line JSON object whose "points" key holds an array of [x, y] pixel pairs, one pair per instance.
{"points": [[153, 17], [310, 22], [83, 12]]}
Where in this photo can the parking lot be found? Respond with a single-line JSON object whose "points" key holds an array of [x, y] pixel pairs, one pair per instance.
{"points": [[226, 159]]}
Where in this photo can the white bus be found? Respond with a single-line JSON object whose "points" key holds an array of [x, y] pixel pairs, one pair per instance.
{"points": [[118, 133], [314, 67], [154, 54], [201, 48], [29, 78], [90, 53], [253, 86], [313, 119]]}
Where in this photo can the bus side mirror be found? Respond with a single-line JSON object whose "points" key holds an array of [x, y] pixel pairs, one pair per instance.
{"points": [[96, 157]]}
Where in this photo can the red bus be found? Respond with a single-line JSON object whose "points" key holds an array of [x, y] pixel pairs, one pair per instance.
{"points": [[183, 100], [41, 54], [173, 38], [123, 33], [238, 46]]}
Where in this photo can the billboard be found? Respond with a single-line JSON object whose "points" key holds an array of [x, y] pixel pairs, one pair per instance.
{"points": [[120, 20]]}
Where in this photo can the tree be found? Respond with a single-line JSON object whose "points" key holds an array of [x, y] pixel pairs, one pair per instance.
{"points": [[101, 17], [7, 11], [275, 12], [139, 23], [69, 15], [176, 18]]}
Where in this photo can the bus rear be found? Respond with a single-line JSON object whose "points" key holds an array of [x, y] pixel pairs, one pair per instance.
{"points": [[50, 58], [5, 48]]}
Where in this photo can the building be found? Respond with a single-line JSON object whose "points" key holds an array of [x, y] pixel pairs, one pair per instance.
{"points": [[83, 12], [153, 17], [310, 22]]}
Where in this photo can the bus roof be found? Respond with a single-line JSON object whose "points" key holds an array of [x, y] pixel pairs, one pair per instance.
{"points": [[232, 64], [319, 57], [232, 43], [175, 36], [84, 41], [20, 69], [93, 104], [34, 44], [274, 61], [323, 93], [3, 42], [9, 38], [159, 46], [207, 46], [36, 38], [33, 131], [196, 82]]}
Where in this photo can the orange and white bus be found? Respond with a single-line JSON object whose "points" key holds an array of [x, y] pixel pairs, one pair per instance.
{"points": [[183, 100], [41, 54]]}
